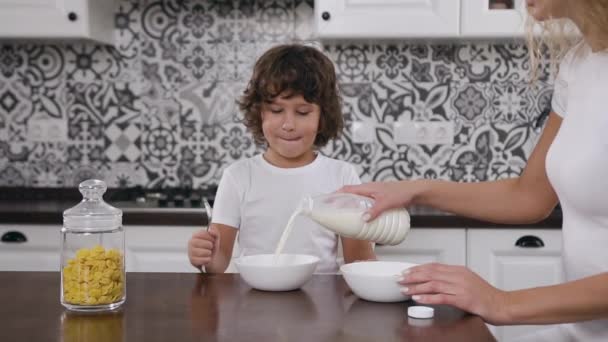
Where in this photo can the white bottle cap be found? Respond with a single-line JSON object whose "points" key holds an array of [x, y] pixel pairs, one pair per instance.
{"points": [[420, 312], [419, 322]]}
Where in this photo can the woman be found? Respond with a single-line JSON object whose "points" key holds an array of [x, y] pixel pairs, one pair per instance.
{"points": [[569, 164]]}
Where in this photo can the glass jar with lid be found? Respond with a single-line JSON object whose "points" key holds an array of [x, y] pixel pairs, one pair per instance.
{"points": [[92, 253]]}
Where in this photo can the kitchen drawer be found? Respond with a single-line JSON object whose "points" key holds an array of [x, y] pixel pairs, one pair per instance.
{"points": [[39, 252], [424, 245], [513, 259]]}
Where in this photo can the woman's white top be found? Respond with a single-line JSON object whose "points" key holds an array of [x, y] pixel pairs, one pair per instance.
{"points": [[577, 166]]}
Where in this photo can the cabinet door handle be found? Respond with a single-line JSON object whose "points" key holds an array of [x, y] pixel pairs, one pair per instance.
{"points": [[14, 237], [529, 241]]}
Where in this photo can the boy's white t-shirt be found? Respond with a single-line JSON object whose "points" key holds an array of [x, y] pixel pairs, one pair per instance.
{"points": [[258, 198], [577, 166]]}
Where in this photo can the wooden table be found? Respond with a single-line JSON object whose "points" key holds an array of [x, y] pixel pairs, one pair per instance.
{"points": [[193, 307]]}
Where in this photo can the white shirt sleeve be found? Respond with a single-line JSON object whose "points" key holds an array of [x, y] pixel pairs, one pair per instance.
{"points": [[227, 204], [559, 102]]}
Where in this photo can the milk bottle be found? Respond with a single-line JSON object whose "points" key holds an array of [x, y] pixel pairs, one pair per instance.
{"points": [[343, 214]]}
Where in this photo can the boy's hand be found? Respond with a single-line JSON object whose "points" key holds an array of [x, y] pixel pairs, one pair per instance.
{"points": [[203, 246]]}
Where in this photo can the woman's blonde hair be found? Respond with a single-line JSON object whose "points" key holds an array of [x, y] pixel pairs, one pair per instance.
{"points": [[558, 36]]}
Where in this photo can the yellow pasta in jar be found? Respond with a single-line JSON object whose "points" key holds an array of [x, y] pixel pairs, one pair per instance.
{"points": [[95, 276]]}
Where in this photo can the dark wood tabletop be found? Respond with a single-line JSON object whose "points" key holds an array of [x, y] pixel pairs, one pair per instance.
{"points": [[195, 307]]}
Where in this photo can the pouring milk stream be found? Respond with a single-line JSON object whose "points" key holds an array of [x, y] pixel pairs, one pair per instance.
{"points": [[342, 213]]}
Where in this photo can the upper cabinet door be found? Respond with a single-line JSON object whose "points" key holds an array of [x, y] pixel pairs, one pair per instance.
{"points": [[493, 18], [387, 18], [87, 19]]}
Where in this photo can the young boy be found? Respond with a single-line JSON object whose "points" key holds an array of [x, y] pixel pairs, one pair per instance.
{"points": [[292, 106]]}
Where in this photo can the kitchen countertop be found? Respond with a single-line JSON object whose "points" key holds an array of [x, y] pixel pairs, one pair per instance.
{"points": [[50, 212], [200, 307]]}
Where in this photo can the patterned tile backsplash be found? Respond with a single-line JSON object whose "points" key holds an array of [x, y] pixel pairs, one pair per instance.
{"points": [[157, 109]]}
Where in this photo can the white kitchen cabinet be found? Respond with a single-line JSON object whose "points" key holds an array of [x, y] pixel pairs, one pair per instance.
{"points": [[158, 248], [148, 248], [513, 259], [484, 19], [481, 19], [87, 19], [163, 249], [39, 252], [424, 245], [387, 18]]}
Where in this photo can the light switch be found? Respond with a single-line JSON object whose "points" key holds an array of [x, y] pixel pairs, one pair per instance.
{"points": [[363, 132]]}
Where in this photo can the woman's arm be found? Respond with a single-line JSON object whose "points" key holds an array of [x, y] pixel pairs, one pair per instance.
{"points": [[222, 249], [527, 198], [357, 250], [578, 300]]}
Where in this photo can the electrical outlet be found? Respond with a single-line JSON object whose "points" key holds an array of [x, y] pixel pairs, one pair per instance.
{"points": [[442, 133], [405, 132], [57, 130], [47, 130], [424, 132], [34, 129], [363, 132]]}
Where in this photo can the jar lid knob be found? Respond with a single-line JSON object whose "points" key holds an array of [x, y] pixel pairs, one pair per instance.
{"points": [[92, 213], [92, 189]]}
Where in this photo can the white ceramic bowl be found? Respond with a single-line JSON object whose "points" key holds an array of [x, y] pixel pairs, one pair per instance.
{"points": [[375, 280], [288, 272]]}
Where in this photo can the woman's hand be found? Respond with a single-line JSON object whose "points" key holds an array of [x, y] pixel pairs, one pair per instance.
{"points": [[387, 195], [457, 286], [203, 246]]}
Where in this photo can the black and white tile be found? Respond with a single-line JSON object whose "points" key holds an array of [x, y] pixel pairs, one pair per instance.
{"points": [[158, 108]]}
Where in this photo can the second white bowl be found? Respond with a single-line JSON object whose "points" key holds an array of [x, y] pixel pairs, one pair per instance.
{"points": [[375, 280]]}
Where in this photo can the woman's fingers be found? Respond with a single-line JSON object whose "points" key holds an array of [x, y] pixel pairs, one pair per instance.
{"points": [[435, 267], [454, 285], [429, 272], [436, 299], [366, 189], [435, 283], [378, 208], [431, 287], [386, 195]]}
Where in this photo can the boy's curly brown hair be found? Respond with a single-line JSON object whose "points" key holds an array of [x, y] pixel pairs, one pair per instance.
{"points": [[294, 69]]}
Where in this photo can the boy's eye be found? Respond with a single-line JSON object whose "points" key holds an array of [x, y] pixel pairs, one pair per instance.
{"points": [[303, 113], [276, 110]]}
